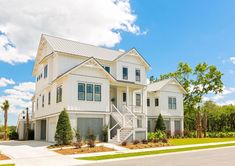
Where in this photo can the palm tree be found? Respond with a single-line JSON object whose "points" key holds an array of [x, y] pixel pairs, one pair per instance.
{"points": [[5, 107]]}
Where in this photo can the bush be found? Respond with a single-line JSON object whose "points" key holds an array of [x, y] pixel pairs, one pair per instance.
{"points": [[64, 134], [135, 142], [31, 135], [105, 133], [124, 143], [178, 134], [168, 133], [78, 143], [160, 134], [144, 141], [160, 125], [165, 140], [155, 141], [91, 143], [220, 134], [90, 135], [13, 135]]}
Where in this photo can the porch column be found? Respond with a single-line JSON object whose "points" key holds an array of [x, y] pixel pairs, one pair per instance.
{"points": [[172, 125], [182, 125], [144, 101], [127, 96]]}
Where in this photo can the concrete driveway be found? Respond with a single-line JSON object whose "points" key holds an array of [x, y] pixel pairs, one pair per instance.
{"points": [[28, 153]]}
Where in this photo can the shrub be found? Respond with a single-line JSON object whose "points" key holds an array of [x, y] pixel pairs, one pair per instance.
{"points": [[124, 143], [144, 141], [165, 140], [13, 135], [90, 135], [64, 134], [155, 140], [178, 134], [160, 125], [77, 145], [168, 133], [105, 133], [136, 142], [91, 143], [160, 134], [151, 136]]}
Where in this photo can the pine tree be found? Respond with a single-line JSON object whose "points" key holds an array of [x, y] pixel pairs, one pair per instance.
{"points": [[64, 133], [160, 125]]}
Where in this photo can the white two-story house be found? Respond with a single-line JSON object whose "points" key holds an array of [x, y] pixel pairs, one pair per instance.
{"points": [[97, 87]]}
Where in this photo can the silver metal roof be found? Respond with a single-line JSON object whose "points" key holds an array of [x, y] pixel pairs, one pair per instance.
{"points": [[77, 48]]}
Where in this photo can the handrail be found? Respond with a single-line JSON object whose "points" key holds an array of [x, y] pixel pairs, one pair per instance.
{"points": [[130, 111], [117, 110]]}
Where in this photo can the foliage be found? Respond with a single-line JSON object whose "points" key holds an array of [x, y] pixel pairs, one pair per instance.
{"points": [[105, 133], [158, 135], [160, 125], [5, 107], [135, 142], [197, 82], [91, 143], [90, 135], [124, 143], [144, 141], [64, 134], [78, 143], [13, 135], [221, 134]]}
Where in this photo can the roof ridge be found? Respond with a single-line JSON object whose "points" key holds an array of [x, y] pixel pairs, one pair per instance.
{"points": [[81, 43]]}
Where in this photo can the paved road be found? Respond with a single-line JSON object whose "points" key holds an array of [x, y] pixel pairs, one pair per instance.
{"points": [[215, 157]]}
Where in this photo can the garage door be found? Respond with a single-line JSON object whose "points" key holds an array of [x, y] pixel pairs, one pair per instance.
{"points": [[96, 124], [52, 129]]}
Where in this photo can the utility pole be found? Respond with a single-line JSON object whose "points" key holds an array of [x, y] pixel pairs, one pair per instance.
{"points": [[27, 123]]}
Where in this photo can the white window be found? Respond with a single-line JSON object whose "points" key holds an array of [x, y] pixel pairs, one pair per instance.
{"points": [[148, 102], [45, 71], [59, 94], [137, 75], [137, 99], [89, 92], [81, 91], [43, 100], [49, 98], [172, 103], [156, 102], [125, 73], [97, 92], [107, 68]]}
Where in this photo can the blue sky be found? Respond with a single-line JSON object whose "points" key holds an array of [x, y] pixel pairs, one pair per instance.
{"points": [[170, 31]]}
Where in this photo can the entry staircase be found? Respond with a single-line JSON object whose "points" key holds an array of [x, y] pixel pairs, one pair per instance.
{"points": [[126, 120]]}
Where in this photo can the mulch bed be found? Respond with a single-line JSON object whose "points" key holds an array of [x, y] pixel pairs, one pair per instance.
{"points": [[143, 146], [84, 150], [3, 157]]}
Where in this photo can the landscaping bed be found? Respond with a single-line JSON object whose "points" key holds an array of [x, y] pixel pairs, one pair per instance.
{"points": [[4, 157], [70, 151], [146, 145]]}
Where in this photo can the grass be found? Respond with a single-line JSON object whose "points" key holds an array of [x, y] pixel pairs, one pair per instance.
{"points": [[125, 155], [188, 141], [7, 164]]}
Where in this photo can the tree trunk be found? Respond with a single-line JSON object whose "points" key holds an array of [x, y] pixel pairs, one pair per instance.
{"points": [[199, 129], [5, 125]]}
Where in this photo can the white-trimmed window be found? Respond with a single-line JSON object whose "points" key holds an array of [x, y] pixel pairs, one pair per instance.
{"points": [[45, 71], [59, 94], [172, 103], [125, 73], [137, 75], [89, 92], [107, 68], [156, 102], [138, 99], [148, 102], [43, 98], [49, 98], [81, 91], [97, 92]]}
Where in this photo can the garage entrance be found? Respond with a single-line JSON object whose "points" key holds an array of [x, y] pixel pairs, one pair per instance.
{"points": [[43, 129], [95, 124]]}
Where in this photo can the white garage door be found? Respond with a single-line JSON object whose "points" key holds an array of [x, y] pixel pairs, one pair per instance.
{"points": [[52, 129]]}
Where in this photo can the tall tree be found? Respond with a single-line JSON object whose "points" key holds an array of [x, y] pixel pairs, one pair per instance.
{"points": [[160, 125], [197, 82], [5, 107], [64, 133]]}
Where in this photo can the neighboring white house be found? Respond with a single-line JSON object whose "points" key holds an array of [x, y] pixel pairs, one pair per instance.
{"points": [[165, 97], [98, 87]]}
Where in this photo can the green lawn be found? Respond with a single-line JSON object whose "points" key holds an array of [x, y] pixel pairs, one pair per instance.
{"points": [[7, 164], [151, 152], [188, 141]]}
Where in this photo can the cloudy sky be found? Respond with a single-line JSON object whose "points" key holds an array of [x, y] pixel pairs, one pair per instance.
{"points": [[164, 31]]}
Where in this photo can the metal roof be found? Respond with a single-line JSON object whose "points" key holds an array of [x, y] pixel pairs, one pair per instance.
{"points": [[77, 48]]}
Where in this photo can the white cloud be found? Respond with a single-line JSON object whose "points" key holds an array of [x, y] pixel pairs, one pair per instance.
{"points": [[232, 59], [19, 96], [95, 22], [228, 102], [4, 82]]}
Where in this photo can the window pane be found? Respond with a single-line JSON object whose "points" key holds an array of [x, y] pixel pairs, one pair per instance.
{"points": [[81, 91], [137, 75], [125, 73], [107, 68], [124, 97], [59, 94], [170, 103], [148, 102], [89, 92], [49, 98], [45, 71], [97, 93], [156, 102], [138, 100]]}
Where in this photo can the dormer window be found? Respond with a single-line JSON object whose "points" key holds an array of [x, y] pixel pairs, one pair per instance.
{"points": [[125, 73], [45, 71], [107, 68], [137, 75]]}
